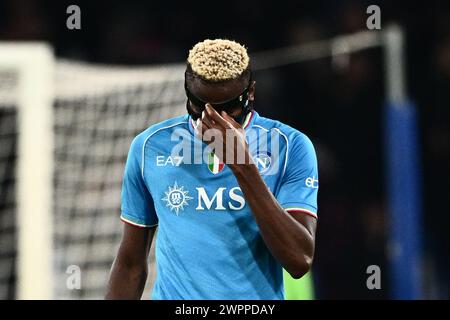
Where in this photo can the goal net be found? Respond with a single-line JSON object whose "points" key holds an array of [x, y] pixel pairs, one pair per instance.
{"points": [[96, 112], [8, 145]]}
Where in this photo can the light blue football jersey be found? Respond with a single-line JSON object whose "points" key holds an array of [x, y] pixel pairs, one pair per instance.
{"points": [[208, 244]]}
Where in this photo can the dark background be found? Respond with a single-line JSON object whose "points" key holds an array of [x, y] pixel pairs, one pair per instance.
{"points": [[338, 107]]}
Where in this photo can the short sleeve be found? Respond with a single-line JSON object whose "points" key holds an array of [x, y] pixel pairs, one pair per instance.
{"points": [[137, 203], [300, 183]]}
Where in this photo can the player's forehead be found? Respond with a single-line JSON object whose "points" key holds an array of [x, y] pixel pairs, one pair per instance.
{"points": [[216, 92]]}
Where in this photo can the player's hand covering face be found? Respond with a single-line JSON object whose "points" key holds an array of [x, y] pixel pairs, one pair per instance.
{"points": [[225, 136], [218, 111], [237, 107]]}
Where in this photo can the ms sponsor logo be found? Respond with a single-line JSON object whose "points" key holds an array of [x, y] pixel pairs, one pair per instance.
{"points": [[177, 198]]}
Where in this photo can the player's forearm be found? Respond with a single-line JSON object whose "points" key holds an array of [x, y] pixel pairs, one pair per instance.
{"points": [[126, 281], [288, 240]]}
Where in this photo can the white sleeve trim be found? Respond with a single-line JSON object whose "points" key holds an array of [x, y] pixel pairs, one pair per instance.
{"points": [[297, 209], [137, 224]]}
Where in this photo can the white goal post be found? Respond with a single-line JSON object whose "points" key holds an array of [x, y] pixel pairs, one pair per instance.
{"points": [[75, 122], [34, 65]]}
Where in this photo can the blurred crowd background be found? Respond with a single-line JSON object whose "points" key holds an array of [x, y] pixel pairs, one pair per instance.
{"points": [[338, 105]]}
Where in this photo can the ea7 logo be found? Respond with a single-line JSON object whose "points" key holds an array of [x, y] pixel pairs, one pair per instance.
{"points": [[216, 201], [162, 161]]}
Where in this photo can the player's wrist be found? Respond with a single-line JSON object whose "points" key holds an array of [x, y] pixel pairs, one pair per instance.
{"points": [[244, 169]]}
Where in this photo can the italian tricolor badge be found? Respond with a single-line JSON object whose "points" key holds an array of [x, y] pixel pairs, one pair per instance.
{"points": [[214, 164]]}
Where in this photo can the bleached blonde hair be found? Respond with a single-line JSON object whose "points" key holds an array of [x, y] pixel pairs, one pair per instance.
{"points": [[218, 60]]}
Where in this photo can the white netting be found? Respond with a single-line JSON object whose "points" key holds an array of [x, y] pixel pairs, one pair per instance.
{"points": [[97, 112], [8, 152]]}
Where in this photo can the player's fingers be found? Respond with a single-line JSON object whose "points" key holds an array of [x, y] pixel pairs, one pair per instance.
{"points": [[231, 120], [215, 117], [208, 134], [206, 120], [204, 128]]}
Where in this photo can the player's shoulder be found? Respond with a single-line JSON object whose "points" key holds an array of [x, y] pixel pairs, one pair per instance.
{"points": [[164, 127], [290, 134], [299, 147]]}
